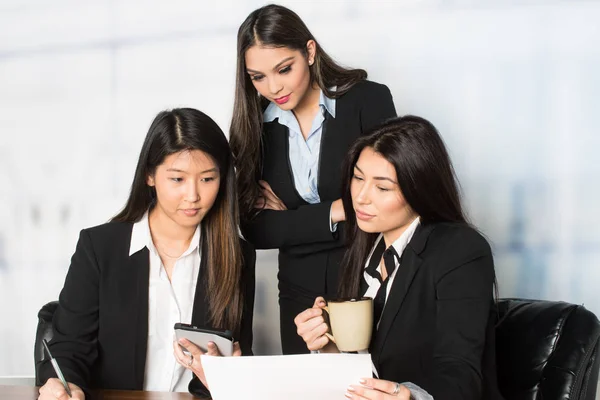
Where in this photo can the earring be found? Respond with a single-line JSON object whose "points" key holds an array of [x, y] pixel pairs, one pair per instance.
{"points": [[310, 62]]}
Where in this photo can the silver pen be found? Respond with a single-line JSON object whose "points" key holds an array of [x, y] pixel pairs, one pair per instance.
{"points": [[57, 368]]}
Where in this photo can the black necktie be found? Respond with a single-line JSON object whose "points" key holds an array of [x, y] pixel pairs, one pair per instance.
{"points": [[389, 261]]}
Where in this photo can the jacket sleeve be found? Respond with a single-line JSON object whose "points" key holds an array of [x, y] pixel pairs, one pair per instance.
{"points": [[307, 224], [75, 322], [464, 297]]}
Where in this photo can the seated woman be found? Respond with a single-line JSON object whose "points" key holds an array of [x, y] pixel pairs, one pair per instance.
{"points": [[431, 274], [173, 254]]}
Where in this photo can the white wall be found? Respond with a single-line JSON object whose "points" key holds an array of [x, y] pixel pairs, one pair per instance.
{"points": [[512, 85]]}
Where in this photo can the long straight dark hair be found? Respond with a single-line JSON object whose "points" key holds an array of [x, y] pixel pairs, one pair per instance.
{"points": [[426, 178], [184, 129], [272, 26]]}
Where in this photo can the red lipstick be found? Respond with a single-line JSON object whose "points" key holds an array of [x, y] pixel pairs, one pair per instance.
{"points": [[283, 99]]}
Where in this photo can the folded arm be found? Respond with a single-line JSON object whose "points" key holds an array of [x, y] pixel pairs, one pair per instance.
{"points": [[307, 224]]}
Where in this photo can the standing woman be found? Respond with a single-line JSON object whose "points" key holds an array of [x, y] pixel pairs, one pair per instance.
{"points": [[430, 273], [171, 255], [296, 113]]}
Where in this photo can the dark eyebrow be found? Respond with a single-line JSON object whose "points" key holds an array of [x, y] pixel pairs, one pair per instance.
{"points": [[377, 178], [274, 68], [215, 169]]}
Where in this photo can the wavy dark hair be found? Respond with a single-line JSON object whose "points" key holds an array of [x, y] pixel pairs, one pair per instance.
{"points": [[184, 129], [272, 26], [426, 178]]}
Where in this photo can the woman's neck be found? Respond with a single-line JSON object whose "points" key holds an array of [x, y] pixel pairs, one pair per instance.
{"points": [[394, 234], [309, 102], [165, 229]]}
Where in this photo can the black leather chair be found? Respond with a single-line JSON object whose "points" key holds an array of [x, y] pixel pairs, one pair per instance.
{"points": [[44, 331], [546, 350]]}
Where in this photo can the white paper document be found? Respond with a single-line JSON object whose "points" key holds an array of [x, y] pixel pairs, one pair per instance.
{"points": [[306, 376]]}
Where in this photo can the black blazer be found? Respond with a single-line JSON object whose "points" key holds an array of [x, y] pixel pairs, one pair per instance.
{"points": [[437, 327], [309, 253], [101, 324]]}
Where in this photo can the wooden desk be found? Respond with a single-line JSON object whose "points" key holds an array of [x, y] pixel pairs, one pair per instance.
{"points": [[31, 393]]}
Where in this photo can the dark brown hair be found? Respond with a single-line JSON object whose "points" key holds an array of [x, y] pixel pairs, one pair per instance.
{"points": [[426, 178], [272, 26], [189, 129]]}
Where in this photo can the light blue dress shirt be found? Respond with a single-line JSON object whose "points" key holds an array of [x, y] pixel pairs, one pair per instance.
{"points": [[304, 155]]}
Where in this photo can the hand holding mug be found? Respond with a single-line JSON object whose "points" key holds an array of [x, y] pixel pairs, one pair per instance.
{"points": [[347, 323], [311, 326]]}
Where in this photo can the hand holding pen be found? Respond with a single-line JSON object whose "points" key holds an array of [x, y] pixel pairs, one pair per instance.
{"points": [[58, 388]]}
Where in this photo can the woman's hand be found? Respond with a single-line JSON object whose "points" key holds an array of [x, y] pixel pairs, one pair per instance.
{"points": [[53, 389], [311, 327], [268, 199], [377, 389], [337, 212], [193, 362]]}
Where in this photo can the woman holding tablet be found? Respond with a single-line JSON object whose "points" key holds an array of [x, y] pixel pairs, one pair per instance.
{"points": [[172, 255]]}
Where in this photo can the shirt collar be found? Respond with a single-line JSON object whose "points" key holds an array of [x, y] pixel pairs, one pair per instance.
{"points": [[273, 111], [328, 103], [141, 237], [399, 244]]}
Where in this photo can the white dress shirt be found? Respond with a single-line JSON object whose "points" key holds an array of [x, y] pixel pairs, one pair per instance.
{"points": [[399, 245], [169, 302]]}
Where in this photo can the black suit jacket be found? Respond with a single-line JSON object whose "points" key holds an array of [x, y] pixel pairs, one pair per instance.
{"points": [[437, 327], [309, 253], [101, 324]]}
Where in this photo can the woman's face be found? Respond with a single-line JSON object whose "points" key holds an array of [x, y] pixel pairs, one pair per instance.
{"points": [[280, 74], [376, 197], [187, 184]]}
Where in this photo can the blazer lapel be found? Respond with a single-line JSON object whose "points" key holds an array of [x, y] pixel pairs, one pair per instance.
{"points": [[277, 168], [407, 269], [139, 265], [338, 135], [330, 162]]}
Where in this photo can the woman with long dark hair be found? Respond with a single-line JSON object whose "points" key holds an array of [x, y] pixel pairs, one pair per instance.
{"points": [[430, 273], [296, 112], [173, 254]]}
